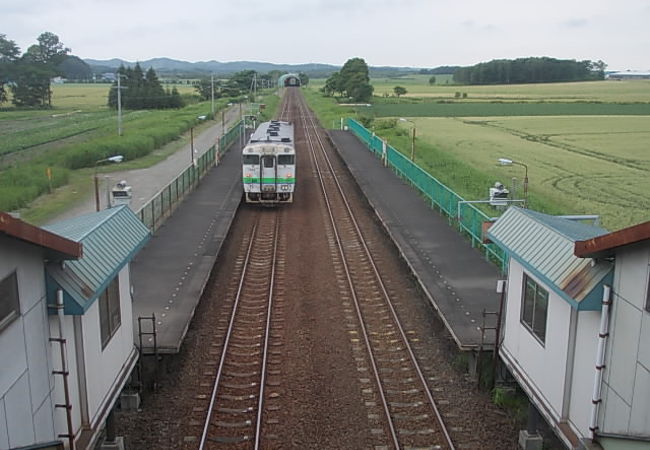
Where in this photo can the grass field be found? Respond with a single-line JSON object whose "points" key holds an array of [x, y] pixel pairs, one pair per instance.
{"points": [[576, 165], [585, 144], [590, 91], [79, 130]]}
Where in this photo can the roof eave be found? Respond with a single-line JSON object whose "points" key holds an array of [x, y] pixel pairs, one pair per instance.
{"points": [[58, 247], [606, 245]]}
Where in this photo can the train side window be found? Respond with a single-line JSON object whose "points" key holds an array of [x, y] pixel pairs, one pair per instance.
{"points": [[251, 159], [268, 161], [285, 159]]}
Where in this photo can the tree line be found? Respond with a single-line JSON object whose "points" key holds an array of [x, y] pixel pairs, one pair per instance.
{"points": [[28, 75], [530, 70], [352, 81], [139, 90]]}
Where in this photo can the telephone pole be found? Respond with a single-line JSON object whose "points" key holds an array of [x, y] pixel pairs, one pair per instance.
{"points": [[212, 92]]}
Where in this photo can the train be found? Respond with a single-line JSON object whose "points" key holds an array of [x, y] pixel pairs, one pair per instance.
{"points": [[269, 164]]}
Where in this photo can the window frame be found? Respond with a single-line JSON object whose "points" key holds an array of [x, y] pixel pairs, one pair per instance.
{"points": [[539, 295], [290, 157], [13, 308], [110, 312]]}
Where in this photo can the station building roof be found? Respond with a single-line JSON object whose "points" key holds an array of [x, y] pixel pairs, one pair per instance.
{"points": [[544, 245], [56, 247], [110, 239]]}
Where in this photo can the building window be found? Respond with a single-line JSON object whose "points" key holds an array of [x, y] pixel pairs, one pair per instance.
{"points": [[534, 308], [109, 311], [9, 301]]}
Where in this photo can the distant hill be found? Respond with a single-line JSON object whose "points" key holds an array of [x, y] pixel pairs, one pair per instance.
{"points": [[171, 67]]}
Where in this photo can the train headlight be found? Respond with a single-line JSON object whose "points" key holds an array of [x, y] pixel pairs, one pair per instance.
{"points": [[284, 187]]}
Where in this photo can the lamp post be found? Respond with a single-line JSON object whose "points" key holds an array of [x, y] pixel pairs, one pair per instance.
{"points": [[402, 119], [113, 159], [509, 162]]}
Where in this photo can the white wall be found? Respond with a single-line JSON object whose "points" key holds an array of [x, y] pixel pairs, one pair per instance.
{"points": [[26, 380], [543, 365], [104, 366], [626, 387], [584, 370]]}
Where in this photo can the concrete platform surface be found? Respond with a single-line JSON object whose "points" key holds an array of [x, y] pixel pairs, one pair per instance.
{"points": [[170, 273], [458, 280]]}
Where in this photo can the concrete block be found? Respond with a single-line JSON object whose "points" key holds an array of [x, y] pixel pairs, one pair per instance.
{"points": [[118, 444], [129, 401], [530, 441]]}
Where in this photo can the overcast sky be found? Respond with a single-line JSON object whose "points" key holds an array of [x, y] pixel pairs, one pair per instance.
{"points": [[416, 33]]}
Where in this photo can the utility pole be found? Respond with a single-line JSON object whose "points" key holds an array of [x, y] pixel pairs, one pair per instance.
{"points": [[119, 105], [212, 92]]}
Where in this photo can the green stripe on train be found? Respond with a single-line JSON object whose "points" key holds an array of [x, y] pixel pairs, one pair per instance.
{"points": [[269, 180]]}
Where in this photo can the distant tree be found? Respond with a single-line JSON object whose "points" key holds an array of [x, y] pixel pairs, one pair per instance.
{"points": [[399, 90], [351, 81], [432, 80], [304, 78], [529, 70], [243, 80], [35, 70], [332, 84], [204, 88], [74, 68], [9, 53], [142, 91]]}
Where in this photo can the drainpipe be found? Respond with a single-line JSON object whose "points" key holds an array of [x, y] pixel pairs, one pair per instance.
{"points": [[64, 369], [600, 360]]}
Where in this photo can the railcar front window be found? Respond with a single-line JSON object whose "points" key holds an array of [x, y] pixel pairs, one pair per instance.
{"points": [[285, 159], [268, 161], [251, 159]]}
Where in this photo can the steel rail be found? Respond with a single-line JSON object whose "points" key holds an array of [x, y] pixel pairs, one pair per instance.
{"points": [[229, 333], [258, 427], [385, 292], [339, 245]]}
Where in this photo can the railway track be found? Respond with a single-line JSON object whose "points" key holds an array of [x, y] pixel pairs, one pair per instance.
{"points": [[236, 403], [404, 411]]}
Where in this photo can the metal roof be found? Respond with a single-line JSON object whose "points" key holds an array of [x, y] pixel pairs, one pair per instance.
{"points": [[607, 244], [544, 244], [273, 131], [56, 247], [110, 239]]}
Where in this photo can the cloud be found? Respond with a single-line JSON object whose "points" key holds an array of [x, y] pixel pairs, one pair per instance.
{"points": [[575, 23]]}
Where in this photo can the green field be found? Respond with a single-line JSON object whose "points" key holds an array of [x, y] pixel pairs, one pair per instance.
{"points": [[576, 165], [589, 91], [79, 130], [585, 144]]}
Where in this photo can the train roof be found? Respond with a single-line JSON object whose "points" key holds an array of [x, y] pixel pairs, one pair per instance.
{"points": [[273, 131]]}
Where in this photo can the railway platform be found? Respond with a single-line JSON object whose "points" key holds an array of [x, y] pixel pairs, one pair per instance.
{"points": [[171, 272], [457, 279]]}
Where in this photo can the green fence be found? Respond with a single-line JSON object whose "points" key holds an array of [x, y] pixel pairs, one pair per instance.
{"points": [[466, 216], [160, 207]]}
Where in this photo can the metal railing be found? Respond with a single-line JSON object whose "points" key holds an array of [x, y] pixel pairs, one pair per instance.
{"points": [[154, 213], [468, 218]]}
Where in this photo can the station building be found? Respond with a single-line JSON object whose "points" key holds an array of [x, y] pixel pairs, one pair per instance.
{"points": [[576, 327], [66, 333]]}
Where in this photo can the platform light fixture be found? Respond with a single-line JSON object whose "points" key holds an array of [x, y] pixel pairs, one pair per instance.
{"points": [[111, 159], [510, 162]]}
